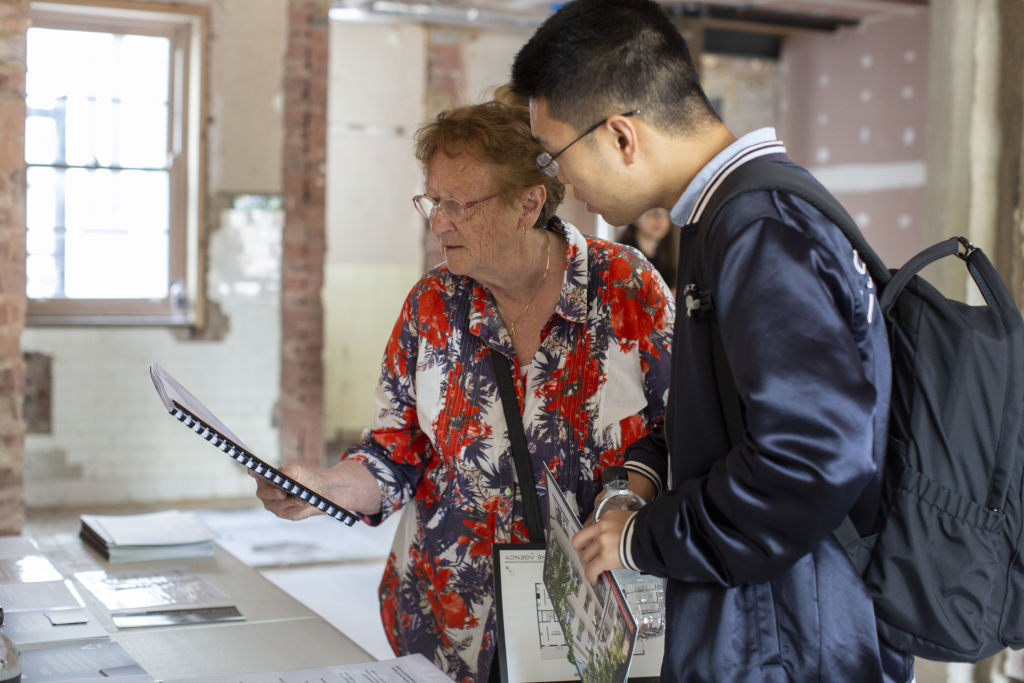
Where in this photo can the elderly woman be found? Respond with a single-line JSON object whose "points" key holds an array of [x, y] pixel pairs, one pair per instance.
{"points": [[585, 325]]}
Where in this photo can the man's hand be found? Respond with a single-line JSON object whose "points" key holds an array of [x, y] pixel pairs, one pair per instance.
{"points": [[598, 544]]}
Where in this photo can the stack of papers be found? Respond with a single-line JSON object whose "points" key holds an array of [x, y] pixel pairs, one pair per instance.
{"points": [[156, 536]]}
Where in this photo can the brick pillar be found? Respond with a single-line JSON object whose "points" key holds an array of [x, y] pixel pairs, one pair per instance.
{"points": [[301, 407], [14, 21]]}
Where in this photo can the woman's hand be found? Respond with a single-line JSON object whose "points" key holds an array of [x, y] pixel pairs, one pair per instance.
{"points": [[348, 484], [284, 504]]}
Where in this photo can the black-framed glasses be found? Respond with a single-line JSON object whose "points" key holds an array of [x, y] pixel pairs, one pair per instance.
{"points": [[546, 162], [453, 209]]}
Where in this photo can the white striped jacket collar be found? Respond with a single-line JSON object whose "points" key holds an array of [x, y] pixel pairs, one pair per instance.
{"points": [[698, 193]]}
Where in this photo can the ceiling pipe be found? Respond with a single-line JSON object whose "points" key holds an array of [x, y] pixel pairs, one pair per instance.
{"points": [[737, 13], [378, 10]]}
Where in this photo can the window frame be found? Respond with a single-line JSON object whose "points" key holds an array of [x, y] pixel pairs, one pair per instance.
{"points": [[187, 28]]}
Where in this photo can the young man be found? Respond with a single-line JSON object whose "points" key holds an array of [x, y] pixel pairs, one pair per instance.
{"points": [[758, 590]]}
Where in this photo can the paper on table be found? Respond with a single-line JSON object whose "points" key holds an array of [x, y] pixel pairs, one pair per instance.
{"points": [[98, 661], [143, 590], [408, 669], [175, 595], [163, 535], [16, 546], [261, 539], [21, 597], [40, 627], [169, 527], [28, 569]]}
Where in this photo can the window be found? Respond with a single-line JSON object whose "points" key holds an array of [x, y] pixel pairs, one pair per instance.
{"points": [[114, 163]]}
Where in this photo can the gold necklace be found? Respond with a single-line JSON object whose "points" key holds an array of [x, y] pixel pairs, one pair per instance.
{"points": [[512, 323]]}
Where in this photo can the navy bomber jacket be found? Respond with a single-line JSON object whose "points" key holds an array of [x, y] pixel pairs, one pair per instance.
{"points": [[758, 589]]}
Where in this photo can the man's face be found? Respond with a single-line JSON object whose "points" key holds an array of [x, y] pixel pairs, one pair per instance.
{"points": [[591, 165]]}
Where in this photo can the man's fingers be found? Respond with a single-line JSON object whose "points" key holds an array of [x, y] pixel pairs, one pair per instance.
{"points": [[584, 537]]}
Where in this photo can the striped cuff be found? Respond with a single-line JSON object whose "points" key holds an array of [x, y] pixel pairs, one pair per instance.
{"points": [[625, 541], [647, 472]]}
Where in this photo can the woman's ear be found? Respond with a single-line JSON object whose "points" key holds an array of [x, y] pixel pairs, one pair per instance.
{"points": [[533, 204]]}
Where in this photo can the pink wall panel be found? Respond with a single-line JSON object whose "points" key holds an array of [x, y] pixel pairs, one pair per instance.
{"points": [[854, 108]]}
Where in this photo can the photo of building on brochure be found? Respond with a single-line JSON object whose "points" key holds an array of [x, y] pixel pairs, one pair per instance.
{"points": [[596, 623]]}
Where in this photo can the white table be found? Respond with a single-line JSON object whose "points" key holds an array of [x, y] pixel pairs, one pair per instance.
{"points": [[278, 634]]}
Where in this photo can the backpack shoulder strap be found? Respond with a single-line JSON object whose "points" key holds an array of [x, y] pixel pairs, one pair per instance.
{"points": [[764, 174], [779, 176], [771, 175]]}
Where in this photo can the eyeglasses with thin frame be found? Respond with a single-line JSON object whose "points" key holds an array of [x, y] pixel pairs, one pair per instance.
{"points": [[453, 209], [546, 162]]}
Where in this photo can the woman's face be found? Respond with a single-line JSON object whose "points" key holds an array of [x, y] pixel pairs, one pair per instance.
{"points": [[654, 224], [478, 245]]}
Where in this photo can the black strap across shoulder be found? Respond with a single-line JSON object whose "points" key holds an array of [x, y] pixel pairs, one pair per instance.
{"points": [[524, 470], [765, 175]]}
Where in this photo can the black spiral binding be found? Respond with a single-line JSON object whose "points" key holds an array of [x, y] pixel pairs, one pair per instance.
{"points": [[261, 468]]}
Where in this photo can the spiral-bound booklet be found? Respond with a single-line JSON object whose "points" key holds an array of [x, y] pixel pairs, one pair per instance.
{"points": [[193, 414]]}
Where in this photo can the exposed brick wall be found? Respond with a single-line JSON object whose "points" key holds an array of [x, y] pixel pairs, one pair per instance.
{"points": [[14, 19], [301, 407]]}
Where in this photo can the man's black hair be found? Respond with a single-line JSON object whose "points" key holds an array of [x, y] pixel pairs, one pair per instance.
{"points": [[595, 58]]}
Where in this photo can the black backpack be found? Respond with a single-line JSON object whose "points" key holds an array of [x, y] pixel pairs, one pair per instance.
{"points": [[944, 563]]}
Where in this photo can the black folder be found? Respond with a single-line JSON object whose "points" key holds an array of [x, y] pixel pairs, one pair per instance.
{"points": [[193, 414]]}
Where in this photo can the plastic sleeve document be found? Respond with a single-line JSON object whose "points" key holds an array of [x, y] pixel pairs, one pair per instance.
{"points": [[175, 595]]}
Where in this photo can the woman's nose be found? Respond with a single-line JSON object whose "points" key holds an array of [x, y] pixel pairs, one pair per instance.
{"points": [[439, 224]]}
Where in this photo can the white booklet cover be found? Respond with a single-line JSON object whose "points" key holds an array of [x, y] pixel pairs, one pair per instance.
{"points": [[150, 536]]}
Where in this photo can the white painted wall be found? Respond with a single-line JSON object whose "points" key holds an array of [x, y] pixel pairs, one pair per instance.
{"points": [[374, 236], [111, 440]]}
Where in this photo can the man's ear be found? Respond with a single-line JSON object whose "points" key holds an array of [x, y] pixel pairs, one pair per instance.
{"points": [[624, 130], [533, 204]]}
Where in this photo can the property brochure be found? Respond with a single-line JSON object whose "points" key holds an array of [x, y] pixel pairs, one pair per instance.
{"points": [[596, 621], [531, 647], [407, 669], [171, 596], [170, 534]]}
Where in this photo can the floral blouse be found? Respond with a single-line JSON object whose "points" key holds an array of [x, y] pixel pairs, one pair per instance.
{"points": [[439, 441]]}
